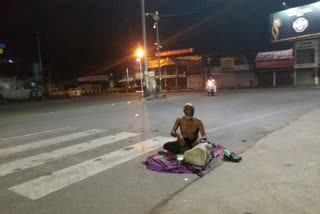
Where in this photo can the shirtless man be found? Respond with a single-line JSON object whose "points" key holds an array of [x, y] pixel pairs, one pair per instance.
{"points": [[189, 128]]}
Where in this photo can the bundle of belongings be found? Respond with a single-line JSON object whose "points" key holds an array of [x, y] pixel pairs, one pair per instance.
{"points": [[196, 160]]}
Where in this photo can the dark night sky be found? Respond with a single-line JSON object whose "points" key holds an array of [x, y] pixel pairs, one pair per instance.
{"points": [[100, 36]]}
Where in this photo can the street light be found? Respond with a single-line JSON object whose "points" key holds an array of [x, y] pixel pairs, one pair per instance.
{"points": [[284, 5], [156, 18], [139, 55], [146, 73]]}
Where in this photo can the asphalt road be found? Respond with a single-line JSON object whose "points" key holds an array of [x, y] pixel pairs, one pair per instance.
{"points": [[43, 171]]}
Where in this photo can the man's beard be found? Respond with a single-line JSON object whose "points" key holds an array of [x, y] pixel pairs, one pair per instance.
{"points": [[188, 117]]}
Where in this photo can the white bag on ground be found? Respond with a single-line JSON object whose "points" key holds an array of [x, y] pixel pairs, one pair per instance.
{"points": [[200, 155]]}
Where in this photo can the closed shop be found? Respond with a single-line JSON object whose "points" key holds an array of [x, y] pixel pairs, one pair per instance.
{"points": [[305, 76], [240, 76], [307, 60], [194, 82], [265, 79], [284, 77], [228, 80], [275, 68]]}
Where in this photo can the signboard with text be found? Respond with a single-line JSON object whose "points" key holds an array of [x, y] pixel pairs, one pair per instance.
{"points": [[284, 63], [227, 63], [296, 23], [275, 59]]}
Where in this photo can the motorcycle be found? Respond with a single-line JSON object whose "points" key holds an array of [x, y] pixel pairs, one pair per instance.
{"points": [[211, 87]]}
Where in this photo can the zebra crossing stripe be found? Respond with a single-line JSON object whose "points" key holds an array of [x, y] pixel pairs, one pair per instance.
{"points": [[42, 186], [48, 142], [34, 134], [29, 162]]}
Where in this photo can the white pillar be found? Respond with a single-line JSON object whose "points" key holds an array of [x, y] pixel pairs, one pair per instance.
{"points": [[176, 76], [274, 79], [165, 74], [127, 70], [316, 78]]}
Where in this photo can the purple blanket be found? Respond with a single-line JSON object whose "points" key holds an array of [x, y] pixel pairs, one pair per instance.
{"points": [[166, 162]]}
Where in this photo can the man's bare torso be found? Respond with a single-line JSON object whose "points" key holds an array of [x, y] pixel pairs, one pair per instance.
{"points": [[190, 128]]}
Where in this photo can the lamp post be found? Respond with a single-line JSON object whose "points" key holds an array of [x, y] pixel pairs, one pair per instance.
{"points": [[146, 74], [139, 55], [156, 18]]}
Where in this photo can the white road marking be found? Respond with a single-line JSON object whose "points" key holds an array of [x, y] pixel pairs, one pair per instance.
{"points": [[48, 142], [45, 185], [244, 121], [34, 134], [125, 102], [43, 158]]}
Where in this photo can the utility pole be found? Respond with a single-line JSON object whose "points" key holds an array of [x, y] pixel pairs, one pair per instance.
{"points": [[40, 64], [158, 50], [156, 18], [146, 74]]}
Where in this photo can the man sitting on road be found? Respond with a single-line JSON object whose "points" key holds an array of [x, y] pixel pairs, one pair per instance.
{"points": [[189, 128]]}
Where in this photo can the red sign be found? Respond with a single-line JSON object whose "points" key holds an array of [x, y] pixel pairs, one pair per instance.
{"points": [[176, 52], [284, 63]]}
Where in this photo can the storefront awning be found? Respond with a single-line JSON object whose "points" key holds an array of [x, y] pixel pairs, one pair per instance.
{"points": [[275, 59], [188, 60], [275, 55], [97, 78]]}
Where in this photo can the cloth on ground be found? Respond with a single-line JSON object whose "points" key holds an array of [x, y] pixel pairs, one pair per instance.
{"points": [[164, 161]]}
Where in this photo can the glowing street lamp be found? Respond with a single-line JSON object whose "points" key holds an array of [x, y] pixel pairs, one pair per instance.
{"points": [[284, 5], [139, 53]]}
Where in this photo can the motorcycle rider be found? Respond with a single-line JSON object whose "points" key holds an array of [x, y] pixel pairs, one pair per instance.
{"points": [[211, 85]]}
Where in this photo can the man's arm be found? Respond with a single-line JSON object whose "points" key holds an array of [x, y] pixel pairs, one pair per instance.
{"points": [[202, 131], [175, 127], [203, 134]]}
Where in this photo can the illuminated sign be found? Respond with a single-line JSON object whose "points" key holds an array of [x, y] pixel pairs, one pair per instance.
{"points": [[176, 52], [296, 23]]}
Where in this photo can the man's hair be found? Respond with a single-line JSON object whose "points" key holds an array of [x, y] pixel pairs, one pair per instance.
{"points": [[188, 104]]}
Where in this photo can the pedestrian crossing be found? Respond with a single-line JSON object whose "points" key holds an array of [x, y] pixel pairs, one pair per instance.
{"points": [[48, 142], [8, 139], [43, 185]]}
